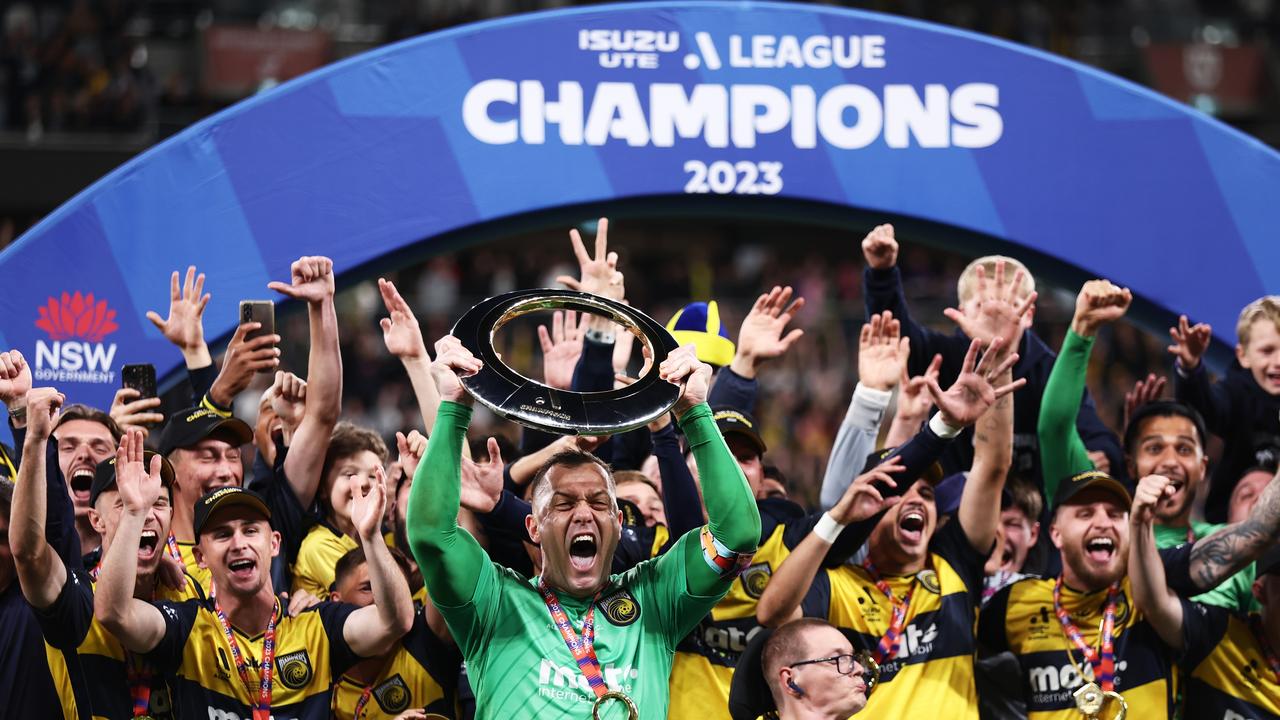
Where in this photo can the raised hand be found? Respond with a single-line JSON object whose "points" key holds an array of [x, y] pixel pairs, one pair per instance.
{"points": [[1143, 392], [15, 379], [1099, 302], [973, 392], [310, 279], [131, 411], [761, 336], [452, 363], [185, 325], [288, 395], [299, 601], [913, 397], [411, 447], [1189, 342], [598, 275], [682, 367], [368, 504], [243, 359], [863, 499], [561, 347], [482, 482], [139, 486], [882, 355], [880, 248], [400, 332], [43, 407], [1150, 491], [997, 312]]}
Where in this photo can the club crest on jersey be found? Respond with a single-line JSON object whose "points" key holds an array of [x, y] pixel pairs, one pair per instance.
{"points": [[929, 579], [294, 669], [1122, 609], [393, 695], [621, 608], [755, 578]]}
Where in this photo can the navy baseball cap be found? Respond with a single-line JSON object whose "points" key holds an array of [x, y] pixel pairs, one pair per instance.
{"points": [[188, 427], [226, 497]]}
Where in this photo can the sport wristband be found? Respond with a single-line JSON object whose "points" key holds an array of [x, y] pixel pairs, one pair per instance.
{"points": [[941, 428], [827, 528]]}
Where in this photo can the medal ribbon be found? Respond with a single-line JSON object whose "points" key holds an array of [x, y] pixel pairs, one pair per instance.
{"points": [[1268, 652], [261, 707], [1102, 660], [171, 542], [583, 648], [887, 648], [139, 675]]}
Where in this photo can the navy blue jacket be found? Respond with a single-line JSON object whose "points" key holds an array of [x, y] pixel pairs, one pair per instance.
{"points": [[1240, 412], [883, 291]]}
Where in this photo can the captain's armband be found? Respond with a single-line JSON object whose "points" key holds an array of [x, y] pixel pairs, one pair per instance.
{"points": [[725, 562]]}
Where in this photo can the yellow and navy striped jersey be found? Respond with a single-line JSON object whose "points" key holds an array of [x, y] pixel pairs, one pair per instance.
{"points": [[90, 667], [321, 550], [934, 664], [1020, 619], [27, 683], [1228, 677], [310, 654], [421, 673], [705, 659]]}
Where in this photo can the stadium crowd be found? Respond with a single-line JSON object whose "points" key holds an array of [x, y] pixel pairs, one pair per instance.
{"points": [[987, 541]]}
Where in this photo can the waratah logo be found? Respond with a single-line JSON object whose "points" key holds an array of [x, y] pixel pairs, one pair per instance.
{"points": [[77, 316], [76, 325]]}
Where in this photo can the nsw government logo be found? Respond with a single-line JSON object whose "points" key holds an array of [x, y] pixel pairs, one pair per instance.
{"points": [[77, 325]]}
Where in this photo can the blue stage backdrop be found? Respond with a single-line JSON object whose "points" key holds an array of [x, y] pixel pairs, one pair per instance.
{"points": [[487, 121]]}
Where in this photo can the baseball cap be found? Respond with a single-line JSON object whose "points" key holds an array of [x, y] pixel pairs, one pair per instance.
{"points": [[699, 323], [1269, 563], [1080, 482], [226, 497], [104, 475], [188, 427], [932, 474], [730, 420]]}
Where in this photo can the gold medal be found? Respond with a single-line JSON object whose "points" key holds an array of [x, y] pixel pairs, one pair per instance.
{"points": [[871, 669], [632, 712], [1089, 699]]}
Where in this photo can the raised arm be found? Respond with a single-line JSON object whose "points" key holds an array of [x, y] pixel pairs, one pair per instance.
{"points": [[311, 280], [1227, 551], [137, 624], [1158, 603], [979, 511], [732, 516], [861, 501], [451, 559], [1191, 381], [882, 360], [372, 630], [1062, 450], [40, 571], [882, 290], [185, 325]]}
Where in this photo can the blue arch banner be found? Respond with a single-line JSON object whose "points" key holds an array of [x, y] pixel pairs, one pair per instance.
{"points": [[493, 120]]}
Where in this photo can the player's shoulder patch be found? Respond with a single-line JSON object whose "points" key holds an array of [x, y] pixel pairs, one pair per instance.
{"points": [[294, 669], [620, 607], [755, 578], [929, 580]]}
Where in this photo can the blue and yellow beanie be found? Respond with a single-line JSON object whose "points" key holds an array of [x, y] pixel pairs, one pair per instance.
{"points": [[699, 323]]}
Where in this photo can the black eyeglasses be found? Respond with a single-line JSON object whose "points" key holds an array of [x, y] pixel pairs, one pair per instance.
{"points": [[844, 663]]}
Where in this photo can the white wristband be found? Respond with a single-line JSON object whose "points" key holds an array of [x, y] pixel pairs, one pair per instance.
{"points": [[827, 528], [941, 428]]}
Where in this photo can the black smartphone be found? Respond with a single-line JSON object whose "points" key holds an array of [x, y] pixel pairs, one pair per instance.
{"points": [[140, 377], [260, 311]]}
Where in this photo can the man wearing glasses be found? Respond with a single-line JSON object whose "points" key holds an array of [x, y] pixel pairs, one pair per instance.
{"points": [[812, 672]]}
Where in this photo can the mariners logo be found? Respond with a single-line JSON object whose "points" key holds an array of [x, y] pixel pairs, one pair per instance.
{"points": [[393, 695], [621, 608], [294, 669], [755, 578], [929, 579]]}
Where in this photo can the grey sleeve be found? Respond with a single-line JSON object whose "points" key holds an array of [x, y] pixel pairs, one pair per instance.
{"points": [[855, 440]]}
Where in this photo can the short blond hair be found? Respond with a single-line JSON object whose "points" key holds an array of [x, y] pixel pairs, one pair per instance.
{"points": [[969, 278], [1266, 307]]}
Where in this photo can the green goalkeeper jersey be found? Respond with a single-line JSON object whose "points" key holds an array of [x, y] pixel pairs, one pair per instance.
{"points": [[517, 660]]}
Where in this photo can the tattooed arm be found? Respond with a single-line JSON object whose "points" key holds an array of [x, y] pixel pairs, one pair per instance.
{"points": [[1226, 552]]}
